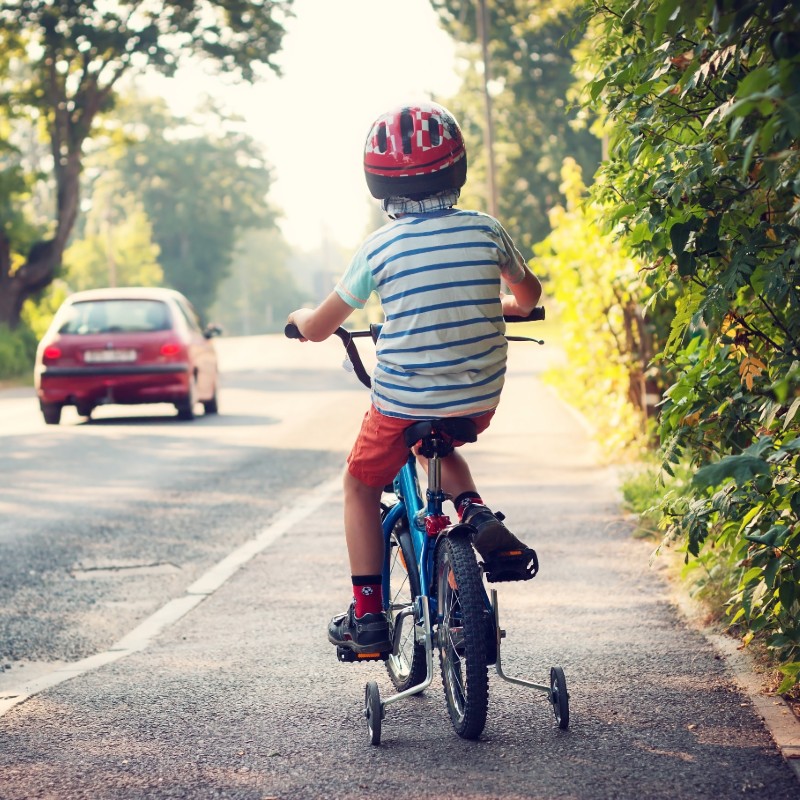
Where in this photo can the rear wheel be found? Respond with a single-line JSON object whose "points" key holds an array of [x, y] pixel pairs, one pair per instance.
{"points": [[462, 635], [51, 413], [408, 667], [186, 406], [84, 410]]}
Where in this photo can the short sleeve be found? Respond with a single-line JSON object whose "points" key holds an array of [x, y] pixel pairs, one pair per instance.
{"points": [[512, 264], [357, 283]]}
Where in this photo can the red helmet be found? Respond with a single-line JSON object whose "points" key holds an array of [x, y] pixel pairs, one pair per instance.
{"points": [[414, 150]]}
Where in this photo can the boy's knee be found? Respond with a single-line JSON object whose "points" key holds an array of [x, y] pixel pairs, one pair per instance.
{"points": [[354, 487]]}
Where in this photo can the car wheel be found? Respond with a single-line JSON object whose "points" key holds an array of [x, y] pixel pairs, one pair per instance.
{"points": [[186, 406], [211, 406], [51, 413]]}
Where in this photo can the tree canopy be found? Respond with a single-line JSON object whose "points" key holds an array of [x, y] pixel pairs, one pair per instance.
{"points": [[530, 52], [64, 62], [200, 190]]}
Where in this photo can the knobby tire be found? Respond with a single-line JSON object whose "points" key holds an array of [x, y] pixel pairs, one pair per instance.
{"points": [[462, 635]]}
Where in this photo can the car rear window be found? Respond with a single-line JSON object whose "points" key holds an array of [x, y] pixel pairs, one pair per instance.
{"points": [[115, 316]]}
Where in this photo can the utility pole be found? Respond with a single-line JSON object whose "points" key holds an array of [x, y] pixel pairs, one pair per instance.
{"points": [[482, 18], [110, 256]]}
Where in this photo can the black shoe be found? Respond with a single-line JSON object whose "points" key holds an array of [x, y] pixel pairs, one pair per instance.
{"points": [[367, 634], [505, 558]]}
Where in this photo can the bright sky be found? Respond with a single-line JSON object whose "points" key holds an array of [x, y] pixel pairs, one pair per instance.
{"points": [[344, 62]]}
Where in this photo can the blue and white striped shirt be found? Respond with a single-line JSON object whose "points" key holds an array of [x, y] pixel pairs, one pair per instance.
{"points": [[442, 348]]}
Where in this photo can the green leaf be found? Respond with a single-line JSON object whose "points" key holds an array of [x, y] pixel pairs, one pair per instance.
{"points": [[664, 11], [748, 154], [754, 82], [752, 574], [791, 412], [740, 468], [774, 537]]}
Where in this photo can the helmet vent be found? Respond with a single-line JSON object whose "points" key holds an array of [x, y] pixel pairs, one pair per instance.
{"points": [[406, 131], [382, 137], [433, 131]]}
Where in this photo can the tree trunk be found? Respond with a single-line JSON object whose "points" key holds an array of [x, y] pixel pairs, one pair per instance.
{"points": [[44, 258], [34, 275]]}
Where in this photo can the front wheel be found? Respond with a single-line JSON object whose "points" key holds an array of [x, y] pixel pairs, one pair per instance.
{"points": [[461, 635]]}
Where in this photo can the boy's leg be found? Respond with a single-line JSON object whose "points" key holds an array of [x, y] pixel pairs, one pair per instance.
{"points": [[362, 526], [364, 626], [492, 538]]}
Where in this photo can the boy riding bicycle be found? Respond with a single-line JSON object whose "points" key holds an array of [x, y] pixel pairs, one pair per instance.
{"points": [[442, 348]]}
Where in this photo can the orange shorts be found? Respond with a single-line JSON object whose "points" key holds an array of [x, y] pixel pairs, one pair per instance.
{"points": [[379, 450]]}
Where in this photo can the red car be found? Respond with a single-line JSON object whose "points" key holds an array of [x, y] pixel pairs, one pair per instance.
{"points": [[126, 346]]}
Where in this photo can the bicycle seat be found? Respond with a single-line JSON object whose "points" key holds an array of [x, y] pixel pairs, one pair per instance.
{"points": [[449, 429]]}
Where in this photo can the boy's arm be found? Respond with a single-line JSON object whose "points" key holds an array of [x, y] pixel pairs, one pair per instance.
{"points": [[319, 323], [525, 294]]}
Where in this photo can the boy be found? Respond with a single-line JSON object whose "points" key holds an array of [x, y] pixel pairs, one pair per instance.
{"points": [[442, 348]]}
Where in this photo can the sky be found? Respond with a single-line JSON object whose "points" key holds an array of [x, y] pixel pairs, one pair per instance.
{"points": [[344, 62]]}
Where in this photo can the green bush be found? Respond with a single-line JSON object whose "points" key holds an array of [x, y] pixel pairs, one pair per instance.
{"points": [[17, 351], [702, 109]]}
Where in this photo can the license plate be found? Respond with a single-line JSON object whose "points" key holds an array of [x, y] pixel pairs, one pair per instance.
{"points": [[108, 356]]}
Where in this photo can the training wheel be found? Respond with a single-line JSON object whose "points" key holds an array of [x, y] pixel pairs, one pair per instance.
{"points": [[373, 711], [559, 697]]}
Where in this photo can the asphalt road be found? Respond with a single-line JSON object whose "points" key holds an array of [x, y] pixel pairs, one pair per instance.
{"points": [[194, 676]]}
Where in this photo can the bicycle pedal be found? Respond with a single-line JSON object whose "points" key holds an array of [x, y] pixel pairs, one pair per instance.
{"points": [[515, 565], [348, 656]]}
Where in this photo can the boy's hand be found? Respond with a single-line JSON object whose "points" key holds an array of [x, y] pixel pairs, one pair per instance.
{"points": [[297, 318], [524, 296], [319, 323]]}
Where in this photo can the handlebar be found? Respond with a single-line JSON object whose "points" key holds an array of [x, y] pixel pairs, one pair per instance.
{"points": [[291, 331]]}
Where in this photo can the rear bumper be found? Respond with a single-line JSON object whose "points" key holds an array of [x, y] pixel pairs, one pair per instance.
{"points": [[124, 384], [112, 372]]}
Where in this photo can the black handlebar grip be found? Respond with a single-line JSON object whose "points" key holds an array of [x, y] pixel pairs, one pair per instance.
{"points": [[291, 331], [535, 316]]}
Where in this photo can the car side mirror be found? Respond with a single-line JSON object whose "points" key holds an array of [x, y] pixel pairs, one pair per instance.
{"points": [[211, 330]]}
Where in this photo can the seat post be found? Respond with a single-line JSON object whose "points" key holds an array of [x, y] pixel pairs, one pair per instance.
{"points": [[434, 473]]}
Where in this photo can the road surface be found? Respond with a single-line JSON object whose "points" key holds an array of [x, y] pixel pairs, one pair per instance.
{"points": [[165, 589]]}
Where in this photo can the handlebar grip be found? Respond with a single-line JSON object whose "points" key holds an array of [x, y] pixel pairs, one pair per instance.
{"points": [[291, 331], [535, 316]]}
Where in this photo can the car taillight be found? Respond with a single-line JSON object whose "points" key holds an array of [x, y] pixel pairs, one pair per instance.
{"points": [[170, 349], [51, 353]]}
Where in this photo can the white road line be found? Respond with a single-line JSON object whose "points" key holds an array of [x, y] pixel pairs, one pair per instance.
{"points": [[170, 613]]}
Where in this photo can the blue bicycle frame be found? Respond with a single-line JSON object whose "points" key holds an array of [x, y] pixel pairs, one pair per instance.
{"points": [[409, 505]]}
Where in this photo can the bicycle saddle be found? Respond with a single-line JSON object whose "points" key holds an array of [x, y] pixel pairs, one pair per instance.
{"points": [[451, 429]]}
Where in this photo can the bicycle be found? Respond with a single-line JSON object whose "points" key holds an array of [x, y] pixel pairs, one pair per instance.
{"points": [[433, 584]]}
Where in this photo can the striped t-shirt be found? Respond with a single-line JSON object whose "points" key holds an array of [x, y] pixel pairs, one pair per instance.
{"points": [[442, 348]]}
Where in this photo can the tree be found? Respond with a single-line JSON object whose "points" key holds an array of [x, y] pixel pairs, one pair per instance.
{"points": [[76, 52], [260, 291], [117, 247], [535, 129], [200, 190], [595, 285]]}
